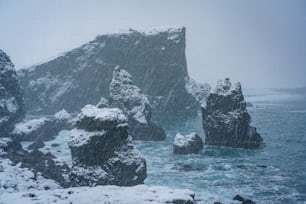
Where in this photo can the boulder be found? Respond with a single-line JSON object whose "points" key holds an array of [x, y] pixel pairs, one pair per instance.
{"points": [[226, 120], [102, 151], [243, 200], [11, 96], [187, 144], [156, 60], [128, 97]]}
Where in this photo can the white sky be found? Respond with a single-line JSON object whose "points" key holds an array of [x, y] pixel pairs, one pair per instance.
{"points": [[260, 43]]}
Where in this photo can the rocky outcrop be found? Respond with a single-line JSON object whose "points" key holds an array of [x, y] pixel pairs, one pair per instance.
{"points": [[42, 129], [187, 144], [39, 163], [243, 200], [128, 97], [11, 96], [102, 151], [226, 121], [156, 60]]}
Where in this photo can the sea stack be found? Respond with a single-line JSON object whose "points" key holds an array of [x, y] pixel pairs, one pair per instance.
{"points": [[124, 94], [226, 120], [102, 151]]}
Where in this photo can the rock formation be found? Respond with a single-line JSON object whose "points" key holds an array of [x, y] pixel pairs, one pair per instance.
{"points": [[11, 96], [156, 60], [187, 144], [42, 129], [128, 97], [39, 163], [102, 151], [226, 121]]}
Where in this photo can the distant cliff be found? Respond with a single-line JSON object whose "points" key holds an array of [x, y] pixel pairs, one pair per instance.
{"points": [[155, 59]]}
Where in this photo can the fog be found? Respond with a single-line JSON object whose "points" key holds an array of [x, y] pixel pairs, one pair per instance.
{"points": [[260, 43]]}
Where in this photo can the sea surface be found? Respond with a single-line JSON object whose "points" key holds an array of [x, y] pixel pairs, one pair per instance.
{"points": [[274, 173]]}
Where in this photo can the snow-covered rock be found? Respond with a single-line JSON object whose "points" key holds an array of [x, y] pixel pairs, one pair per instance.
{"points": [[198, 90], [226, 121], [36, 161], [11, 96], [62, 115], [103, 103], [156, 60], [128, 97], [42, 129], [103, 194], [102, 152], [92, 118], [14, 178], [187, 144]]}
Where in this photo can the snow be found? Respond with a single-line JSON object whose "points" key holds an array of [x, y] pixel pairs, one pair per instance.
{"points": [[79, 137], [198, 90], [225, 87], [29, 126], [102, 194], [13, 178], [183, 140], [102, 114], [59, 148], [11, 105], [62, 115]]}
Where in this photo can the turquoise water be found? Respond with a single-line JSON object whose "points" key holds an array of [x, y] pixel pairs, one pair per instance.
{"points": [[274, 173]]}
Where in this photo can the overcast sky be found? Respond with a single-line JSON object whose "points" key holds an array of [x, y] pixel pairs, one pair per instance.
{"points": [[260, 43]]}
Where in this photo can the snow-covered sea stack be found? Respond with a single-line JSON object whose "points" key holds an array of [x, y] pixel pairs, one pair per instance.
{"points": [[102, 151], [11, 96], [187, 144], [128, 97], [226, 121]]}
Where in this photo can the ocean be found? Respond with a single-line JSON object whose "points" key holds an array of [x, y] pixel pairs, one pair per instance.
{"points": [[274, 173]]}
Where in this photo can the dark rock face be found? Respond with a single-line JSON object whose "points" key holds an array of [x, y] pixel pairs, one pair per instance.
{"points": [[128, 97], [226, 121], [11, 96], [42, 129], [156, 60], [187, 144], [243, 200], [102, 152]]}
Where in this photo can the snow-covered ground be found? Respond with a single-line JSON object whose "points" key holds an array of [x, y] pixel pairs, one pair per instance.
{"points": [[13, 178], [101, 194]]}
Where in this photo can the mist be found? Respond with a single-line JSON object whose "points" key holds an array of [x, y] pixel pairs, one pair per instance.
{"points": [[259, 43]]}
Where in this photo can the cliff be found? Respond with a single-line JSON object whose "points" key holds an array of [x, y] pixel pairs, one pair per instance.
{"points": [[155, 59]]}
